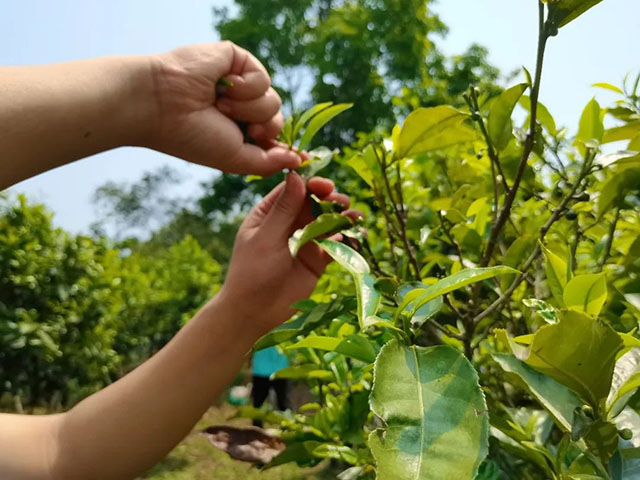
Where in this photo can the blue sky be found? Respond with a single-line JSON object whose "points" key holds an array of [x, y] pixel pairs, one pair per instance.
{"points": [[600, 47]]}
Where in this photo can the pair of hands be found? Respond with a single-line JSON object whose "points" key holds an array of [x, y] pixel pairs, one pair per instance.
{"points": [[196, 123]]}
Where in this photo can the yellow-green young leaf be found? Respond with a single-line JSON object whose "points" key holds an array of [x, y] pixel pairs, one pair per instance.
{"points": [[368, 296], [435, 414], [591, 126], [578, 352], [617, 187], [623, 132], [586, 293], [557, 399], [499, 124], [304, 371], [433, 128], [325, 224], [366, 165], [543, 115], [562, 12], [558, 274], [425, 312], [608, 86], [420, 296], [319, 121], [626, 380], [354, 346], [307, 115]]}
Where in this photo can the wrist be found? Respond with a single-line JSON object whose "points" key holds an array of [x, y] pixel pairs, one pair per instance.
{"points": [[241, 327]]}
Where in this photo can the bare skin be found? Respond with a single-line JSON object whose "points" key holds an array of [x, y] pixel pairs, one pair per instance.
{"points": [[55, 114]]}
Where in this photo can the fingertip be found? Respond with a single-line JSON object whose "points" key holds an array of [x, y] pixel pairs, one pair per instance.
{"points": [[321, 186]]}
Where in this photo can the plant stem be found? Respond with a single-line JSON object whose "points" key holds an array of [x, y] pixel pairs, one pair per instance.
{"points": [[528, 146], [612, 232], [536, 251]]}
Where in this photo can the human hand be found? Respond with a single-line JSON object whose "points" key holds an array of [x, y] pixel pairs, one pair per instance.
{"points": [[194, 122], [264, 280]]}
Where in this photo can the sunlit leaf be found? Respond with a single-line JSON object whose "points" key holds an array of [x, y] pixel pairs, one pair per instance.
{"points": [[499, 124], [435, 415], [319, 121], [354, 346], [626, 380], [543, 115], [585, 363], [433, 128], [617, 187], [546, 311], [558, 274], [420, 296], [368, 296], [586, 293], [325, 224], [556, 398], [591, 126], [562, 12]]}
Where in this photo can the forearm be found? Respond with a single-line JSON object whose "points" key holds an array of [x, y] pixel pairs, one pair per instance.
{"points": [[126, 428], [54, 114]]}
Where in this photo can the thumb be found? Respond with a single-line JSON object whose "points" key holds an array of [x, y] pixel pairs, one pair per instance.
{"points": [[286, 208]]}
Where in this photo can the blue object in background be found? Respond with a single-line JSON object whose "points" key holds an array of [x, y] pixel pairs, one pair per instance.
{"points": [[268, 361]]}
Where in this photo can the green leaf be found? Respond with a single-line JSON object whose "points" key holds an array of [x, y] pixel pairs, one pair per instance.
{"points": [[307, 115], [558, 274], [319, 121], [546, 311], [366, 165], [368, 296], [325, 224], [499, 125], [579, 352], [626, 380], [591, 126], [623, 132], [543, 115], [516, 255], [425, 312], [556, 398], [354, 346], [562, 12], [318, 159], [420, 296], [586, 293], [436, 425], [608, 86], [433, 128], [617, 187], [300, 372]]}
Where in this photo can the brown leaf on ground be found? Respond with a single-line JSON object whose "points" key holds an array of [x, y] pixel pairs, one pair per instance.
{"points": [[250, 444]]}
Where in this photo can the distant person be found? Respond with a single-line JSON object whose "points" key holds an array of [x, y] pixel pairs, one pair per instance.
{"points": [[265, 363], [51, 115]]}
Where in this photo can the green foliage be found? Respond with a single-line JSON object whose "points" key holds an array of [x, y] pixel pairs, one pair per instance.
{"points": [[497, 287], [77, 313]]}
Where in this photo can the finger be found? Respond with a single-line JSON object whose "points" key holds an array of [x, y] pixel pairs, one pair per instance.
{"points": [[262, 209], [285, 209], [247, 86], [258, 110], [353, 214], [340, 198], [322, 187], [268, 130], [313, 258], [252, 159]]}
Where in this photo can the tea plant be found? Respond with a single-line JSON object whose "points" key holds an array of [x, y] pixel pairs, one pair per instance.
{"points": [[487, 325]]}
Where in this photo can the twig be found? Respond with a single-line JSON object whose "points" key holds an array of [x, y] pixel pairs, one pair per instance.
{"points": [[528, 147], [612, 231], [536, 251]]}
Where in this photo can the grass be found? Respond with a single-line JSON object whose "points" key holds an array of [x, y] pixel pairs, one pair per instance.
{"points": [[196, 459]]}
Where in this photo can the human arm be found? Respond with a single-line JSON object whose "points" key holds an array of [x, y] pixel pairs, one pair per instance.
{"points": [[123, 430], [51, 115]]}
